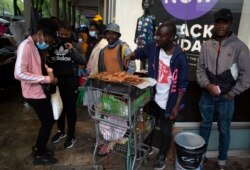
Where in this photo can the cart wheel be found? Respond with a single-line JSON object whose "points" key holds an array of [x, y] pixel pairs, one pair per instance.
{"points": [[95, 167], [145, 160]]}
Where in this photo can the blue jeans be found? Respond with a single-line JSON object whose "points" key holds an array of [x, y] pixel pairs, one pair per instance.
{"points": [[223, 109]]}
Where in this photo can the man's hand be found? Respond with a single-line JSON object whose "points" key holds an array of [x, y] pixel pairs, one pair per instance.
{"points": [[127, 59], [68, 46], [213, 89], [174, 113], [228, 96], [55, 80]]}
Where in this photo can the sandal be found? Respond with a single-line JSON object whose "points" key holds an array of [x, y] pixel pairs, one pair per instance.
{"points": [[103, 150]]}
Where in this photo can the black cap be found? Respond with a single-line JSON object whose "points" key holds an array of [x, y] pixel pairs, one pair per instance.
{"points": [[225, 14]]}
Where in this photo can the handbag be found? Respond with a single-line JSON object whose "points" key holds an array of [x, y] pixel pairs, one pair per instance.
{"points": [[57, 105], [48, 89]]}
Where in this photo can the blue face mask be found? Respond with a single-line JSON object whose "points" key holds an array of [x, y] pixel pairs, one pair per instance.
{"points": [[92, 33], [42, 46], [113, 44]]}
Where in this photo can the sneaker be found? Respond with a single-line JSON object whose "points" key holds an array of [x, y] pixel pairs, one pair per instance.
{"points": [[222, 167], [151, 151], [44, 160], [58, 136], [34, 152], [103, 151], [159, 163], [69, 143], [204, 160]]}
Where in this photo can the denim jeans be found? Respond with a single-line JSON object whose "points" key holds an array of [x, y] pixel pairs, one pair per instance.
{"points": [[222, 109]]}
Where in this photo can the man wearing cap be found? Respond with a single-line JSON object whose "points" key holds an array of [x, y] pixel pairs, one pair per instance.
{"points": [[112, 57], [100, 26], [223, 71]]}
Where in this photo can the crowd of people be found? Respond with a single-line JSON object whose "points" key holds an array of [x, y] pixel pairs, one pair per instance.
{"points": [[57, 55]]}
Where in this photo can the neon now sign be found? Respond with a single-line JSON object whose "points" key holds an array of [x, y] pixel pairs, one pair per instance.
{"points": [[188, 9]]}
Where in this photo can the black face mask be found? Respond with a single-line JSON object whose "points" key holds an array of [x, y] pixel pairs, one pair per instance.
{"points": [[65, 40]]}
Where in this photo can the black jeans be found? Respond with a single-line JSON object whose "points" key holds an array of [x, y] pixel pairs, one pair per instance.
{"points": [[166, 126], [45, 114], [68, 91]]}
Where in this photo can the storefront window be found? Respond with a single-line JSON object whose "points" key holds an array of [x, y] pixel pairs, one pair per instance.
{"points": [[194, 19]]}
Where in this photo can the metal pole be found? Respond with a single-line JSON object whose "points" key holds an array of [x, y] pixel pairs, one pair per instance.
{"points": [[54, 8], [64, 11], [15, 7], [74, 15], [69, 13], [27, 14]]}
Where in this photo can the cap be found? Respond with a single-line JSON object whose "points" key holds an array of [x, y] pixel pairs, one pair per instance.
{"points": [[225, 14], [112, 27], [97, 18]]}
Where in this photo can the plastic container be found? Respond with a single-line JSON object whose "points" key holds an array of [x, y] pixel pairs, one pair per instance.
{"points": [[190, 148]]}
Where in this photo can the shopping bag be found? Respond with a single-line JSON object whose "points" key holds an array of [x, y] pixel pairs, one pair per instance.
{"points": [[57, 105]]}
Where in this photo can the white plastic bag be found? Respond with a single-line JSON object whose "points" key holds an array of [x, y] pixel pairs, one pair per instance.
{"points": [[57, 105]]}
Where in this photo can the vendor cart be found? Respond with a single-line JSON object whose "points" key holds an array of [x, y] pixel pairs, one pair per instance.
{"points": [[114, 108]]}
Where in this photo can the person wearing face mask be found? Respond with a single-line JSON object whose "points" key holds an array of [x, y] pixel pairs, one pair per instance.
{"points": [[99, 23], [28, 70], [64, 59], [112, 56], [93, 39]]}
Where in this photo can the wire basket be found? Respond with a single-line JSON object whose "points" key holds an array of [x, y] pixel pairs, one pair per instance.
{"points": [[148, 126], [114, 138]]}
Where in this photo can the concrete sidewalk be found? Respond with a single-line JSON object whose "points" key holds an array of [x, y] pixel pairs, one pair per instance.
{"points": [[19, 126]]}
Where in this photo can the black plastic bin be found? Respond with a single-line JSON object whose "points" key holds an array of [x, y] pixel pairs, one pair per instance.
{"points": [[190, 148]]}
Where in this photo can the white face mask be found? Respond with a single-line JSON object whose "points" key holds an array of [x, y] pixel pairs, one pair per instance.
{"points": [[79, 40], [92, 33]]}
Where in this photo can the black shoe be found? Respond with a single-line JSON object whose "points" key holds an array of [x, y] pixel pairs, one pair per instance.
{"points": [[159, 163], [204, 160], [58, 136], [140, 154], [69, 143], [34, 152], [44, 160]]}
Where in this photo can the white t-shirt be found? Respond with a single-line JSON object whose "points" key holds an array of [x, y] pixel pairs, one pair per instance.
{"points": [[164, 79]]}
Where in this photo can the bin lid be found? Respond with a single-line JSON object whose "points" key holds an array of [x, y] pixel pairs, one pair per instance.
{"points": [[189, 140]]}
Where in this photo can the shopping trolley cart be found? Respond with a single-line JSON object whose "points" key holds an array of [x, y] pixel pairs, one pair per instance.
{"points": [[114, 108]]}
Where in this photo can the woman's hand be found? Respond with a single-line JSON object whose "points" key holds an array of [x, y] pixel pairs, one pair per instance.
{"points": [[53, 80]]}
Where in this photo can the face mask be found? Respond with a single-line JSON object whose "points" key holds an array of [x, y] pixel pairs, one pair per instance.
{"points": [[113, 44], [79, 40], [65, 40], [42, 46], [92, 33]]}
